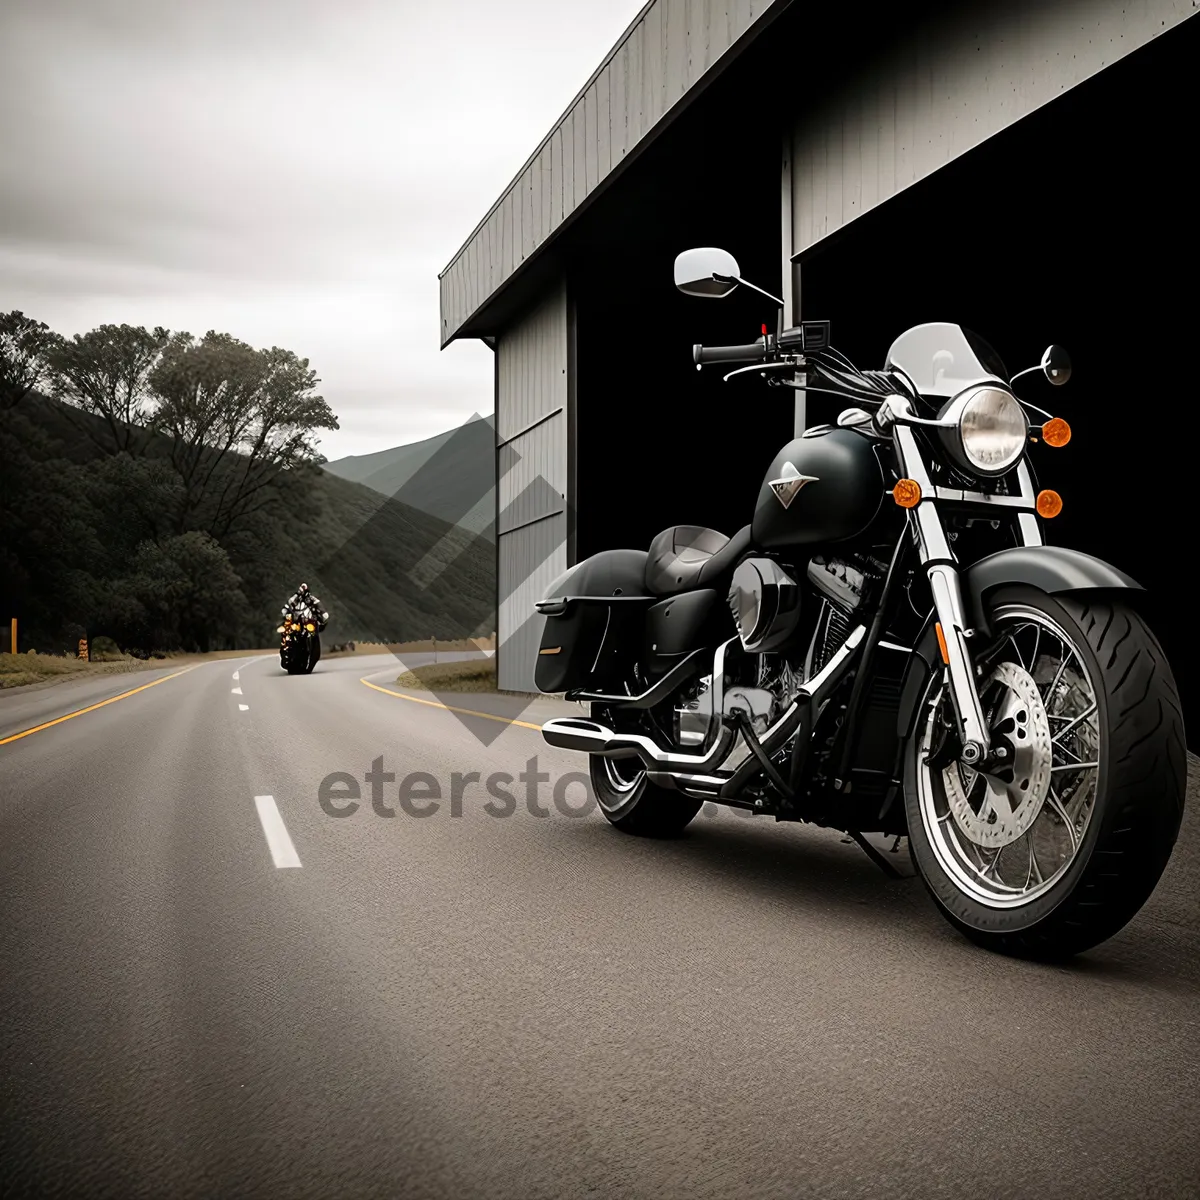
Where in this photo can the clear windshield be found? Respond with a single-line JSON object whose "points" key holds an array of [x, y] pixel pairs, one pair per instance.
{"points": [[943, 359]]}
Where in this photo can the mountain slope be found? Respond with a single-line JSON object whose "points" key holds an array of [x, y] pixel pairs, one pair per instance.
{"points": [[387, 570], [451, 476]]}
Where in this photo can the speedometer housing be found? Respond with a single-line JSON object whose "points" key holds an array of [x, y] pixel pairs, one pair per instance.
{"points": [[988, 431]]}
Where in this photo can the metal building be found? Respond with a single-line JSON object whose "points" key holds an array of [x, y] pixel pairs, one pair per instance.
{"points": [[797, 133]]}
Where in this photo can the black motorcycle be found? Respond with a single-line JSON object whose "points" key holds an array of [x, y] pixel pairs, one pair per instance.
{"points": [[300, 639], [889, 648]]}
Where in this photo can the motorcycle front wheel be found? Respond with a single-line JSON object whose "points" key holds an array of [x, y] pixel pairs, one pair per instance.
{"points": [[1055, 851]]}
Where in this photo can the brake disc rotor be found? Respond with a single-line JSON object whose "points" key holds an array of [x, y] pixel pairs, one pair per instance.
{"points": [[1018, 789]]}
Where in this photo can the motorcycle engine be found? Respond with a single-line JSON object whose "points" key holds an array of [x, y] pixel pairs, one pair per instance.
{"points": [[765, 602], [759, 685], [693, 717], [762, 674], [842, 584]]}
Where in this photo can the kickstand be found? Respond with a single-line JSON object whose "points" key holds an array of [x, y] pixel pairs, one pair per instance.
{"points": [[874, 855]]}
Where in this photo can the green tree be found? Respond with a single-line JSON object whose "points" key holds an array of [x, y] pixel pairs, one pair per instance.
{"points": [[49, 549], [135, 499], [237, 419], [23, 346], [188, 590], [105, 373]]}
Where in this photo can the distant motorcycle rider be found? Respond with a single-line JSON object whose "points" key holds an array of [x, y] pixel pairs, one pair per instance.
{"points": [[302, 596]]}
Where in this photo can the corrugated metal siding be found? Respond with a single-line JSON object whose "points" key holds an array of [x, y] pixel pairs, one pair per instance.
{"points": [[663, 55], [531, 559], [533, 366], [533, 474], [948, 87], [531, 434]]}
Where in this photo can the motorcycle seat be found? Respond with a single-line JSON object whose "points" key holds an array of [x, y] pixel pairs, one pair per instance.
{"points": [[687, 557]]}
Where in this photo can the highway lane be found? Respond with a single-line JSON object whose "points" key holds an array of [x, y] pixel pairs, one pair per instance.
{"points": [[523, 1005], [27, 707]]}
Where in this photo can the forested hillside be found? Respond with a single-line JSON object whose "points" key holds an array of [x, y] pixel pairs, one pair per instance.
{"points": [[163, 491]]}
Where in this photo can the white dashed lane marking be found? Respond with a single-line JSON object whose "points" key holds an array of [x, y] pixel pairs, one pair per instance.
{"points": [[278, 840]]}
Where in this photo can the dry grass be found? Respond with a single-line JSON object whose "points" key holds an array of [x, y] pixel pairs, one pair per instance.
{"points": [[472, 675], [18, 670], [425, 647], [21, 670]]}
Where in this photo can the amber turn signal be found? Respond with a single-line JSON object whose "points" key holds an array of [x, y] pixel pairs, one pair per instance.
{"points": [[941, 637], [1056, 432], [1049, 504], [907, 493]]}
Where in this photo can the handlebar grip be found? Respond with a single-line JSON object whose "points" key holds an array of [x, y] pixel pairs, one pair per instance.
{"points": [[755, 352]]}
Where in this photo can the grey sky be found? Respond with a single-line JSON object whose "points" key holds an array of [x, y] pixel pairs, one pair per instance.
{"points": [[291, 172]]}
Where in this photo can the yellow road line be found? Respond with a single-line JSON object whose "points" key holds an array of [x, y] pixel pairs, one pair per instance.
{"points": [[92, 707], [469, 712]]}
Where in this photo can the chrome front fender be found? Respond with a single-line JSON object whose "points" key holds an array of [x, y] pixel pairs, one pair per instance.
{"points": [[1054, 570]]}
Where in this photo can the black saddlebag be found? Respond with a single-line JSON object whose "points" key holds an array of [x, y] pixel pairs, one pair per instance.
{"points": [[595, 614]]}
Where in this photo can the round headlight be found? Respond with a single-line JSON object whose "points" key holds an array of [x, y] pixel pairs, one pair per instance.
{"points": [[993, 430]]}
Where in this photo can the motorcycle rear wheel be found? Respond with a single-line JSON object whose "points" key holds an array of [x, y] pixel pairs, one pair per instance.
{"points": [[634, 805], [1056, 858]]}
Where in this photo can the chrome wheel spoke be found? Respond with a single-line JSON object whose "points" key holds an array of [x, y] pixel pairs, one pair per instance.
{"points": [[1060, 811], [1048, 723], [1083, 716], [1033, 876], [1037, 648], [1012, 641], [988, 867], [1062, 666], [1074, 762]]}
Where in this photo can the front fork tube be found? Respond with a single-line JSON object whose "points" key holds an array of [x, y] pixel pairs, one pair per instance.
{"points": [[946, 587], [947, 603]]}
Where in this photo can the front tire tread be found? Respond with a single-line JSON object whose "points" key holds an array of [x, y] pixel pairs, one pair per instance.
{"points": [[1144, 776]]}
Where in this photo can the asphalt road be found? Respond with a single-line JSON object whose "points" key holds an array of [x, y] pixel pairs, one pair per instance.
{"points": [[467, 1004]]}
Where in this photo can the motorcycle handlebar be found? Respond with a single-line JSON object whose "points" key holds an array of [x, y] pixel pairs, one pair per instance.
{"points": [[755, 352]]}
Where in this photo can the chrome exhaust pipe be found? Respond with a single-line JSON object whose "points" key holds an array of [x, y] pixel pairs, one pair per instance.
{"points": [[590, 737], [709, 785], [572, 733]]}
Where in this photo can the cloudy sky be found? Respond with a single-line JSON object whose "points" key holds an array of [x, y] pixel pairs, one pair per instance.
{"points": [[293, 172]]}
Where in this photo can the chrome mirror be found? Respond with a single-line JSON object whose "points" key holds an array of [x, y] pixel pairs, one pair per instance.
{"points": [[1056, 365], [706, 272]]}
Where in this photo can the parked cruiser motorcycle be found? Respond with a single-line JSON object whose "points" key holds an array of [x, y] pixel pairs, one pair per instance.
{"points": [[889, 647], [300, 641]]}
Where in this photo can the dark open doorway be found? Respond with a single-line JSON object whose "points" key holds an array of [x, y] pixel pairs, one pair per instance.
{"points": [[1075, 226]]}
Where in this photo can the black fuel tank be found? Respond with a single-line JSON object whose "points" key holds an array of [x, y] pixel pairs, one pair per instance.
{"points": [[843, 496]]}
